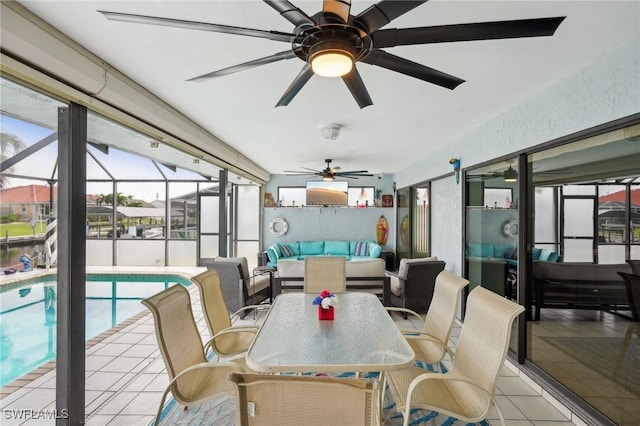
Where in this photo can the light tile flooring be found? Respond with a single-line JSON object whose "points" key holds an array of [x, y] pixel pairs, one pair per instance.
{"points": [[614, 395], [125, 379]]}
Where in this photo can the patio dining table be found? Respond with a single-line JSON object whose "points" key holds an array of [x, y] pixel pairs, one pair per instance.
{"points": [[362, 337]]}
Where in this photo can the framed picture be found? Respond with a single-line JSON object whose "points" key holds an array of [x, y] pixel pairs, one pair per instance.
{"points": [[387, 200]]}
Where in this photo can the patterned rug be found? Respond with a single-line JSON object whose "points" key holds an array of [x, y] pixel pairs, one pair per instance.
{"points": [[221, 411]]}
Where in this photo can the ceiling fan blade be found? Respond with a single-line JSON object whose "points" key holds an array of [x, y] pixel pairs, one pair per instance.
{"points": [[385, 11], [355, 172], [291, 13], [301, 79], [467, 32], [298, 173], [193, 25], [287, 54], [356, 87], [341, 8], [410, 68], [311, 170]]}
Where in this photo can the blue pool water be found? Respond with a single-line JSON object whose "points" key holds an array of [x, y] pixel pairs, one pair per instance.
{"points": [[28, 315]]}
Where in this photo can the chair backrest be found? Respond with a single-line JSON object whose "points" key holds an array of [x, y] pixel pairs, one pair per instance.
{"points": [[325, 273], [303, 400], [403, 267], [632, 285], [244, 264], [230, 272], [484, 338], [213, 304], [444, 305], [177, 333]]}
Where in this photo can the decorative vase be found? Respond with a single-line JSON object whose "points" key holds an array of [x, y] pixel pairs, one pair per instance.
{"points": [[325, 314]]}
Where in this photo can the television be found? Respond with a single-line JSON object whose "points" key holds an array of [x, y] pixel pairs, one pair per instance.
{"points": [[327, 193]]}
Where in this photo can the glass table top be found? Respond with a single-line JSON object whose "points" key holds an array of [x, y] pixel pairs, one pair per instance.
{"points": [[362, 337]]}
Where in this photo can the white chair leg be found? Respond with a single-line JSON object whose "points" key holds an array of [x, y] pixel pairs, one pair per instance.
{"points": [[500, 414], [164, 397]]}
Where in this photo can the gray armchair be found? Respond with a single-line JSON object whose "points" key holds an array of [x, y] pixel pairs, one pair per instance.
{"points": [[239, 287], [411, 287]]}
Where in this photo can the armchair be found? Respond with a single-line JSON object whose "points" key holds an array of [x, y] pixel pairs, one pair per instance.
{"points": [[226, 340], [412, 286], [431, 343], [239, 287], [465, 392], [193, 379]]}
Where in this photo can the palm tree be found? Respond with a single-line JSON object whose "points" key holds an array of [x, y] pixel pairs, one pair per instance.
{"points": [[11, 145], [108, 199]]}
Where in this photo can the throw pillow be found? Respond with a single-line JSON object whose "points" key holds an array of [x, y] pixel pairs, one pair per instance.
{"points": [[285, 250], [273, 254], [375, 250], [361, 248]]}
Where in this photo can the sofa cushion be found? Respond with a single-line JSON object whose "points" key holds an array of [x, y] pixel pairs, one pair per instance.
{"points": [[285, 250], [273, 253], [336, 247], [512, 253], [476, 249], [500, 249], [535, 253], [359, 248], [397, 286], [548, 255], [375, 250], [311, 247], [288, 249]]}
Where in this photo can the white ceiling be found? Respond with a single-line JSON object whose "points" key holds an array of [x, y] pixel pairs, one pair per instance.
{"points": [[409, 118]]}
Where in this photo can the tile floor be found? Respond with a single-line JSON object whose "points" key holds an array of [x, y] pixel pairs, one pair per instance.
{"points": [[125, 379]]}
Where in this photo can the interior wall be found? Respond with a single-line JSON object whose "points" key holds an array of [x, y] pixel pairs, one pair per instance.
{"points": [[607, 89], [329, 223], [446, 222]]}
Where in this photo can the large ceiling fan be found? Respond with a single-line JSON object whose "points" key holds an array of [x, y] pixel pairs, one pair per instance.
{"points": [[332, 41], [330, 173]]}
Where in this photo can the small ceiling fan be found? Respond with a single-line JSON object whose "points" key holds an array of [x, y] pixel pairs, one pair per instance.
{"points": [[331, 41], [330, 173]]}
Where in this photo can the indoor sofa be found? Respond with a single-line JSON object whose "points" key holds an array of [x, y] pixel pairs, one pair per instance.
{"points": [[351, 250], [508, 253], [494, 266], [573, 285], [363, 274]]}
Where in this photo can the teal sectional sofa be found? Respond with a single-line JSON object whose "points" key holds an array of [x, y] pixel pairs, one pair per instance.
{"points": [[508, 253], [351, 250]]}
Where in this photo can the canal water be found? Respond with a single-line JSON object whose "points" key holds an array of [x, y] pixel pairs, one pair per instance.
{"points": [[10, 256]]}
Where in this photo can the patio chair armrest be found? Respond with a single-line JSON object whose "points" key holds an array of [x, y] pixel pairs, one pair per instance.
{"points": [[405, 310], [229, 330], [420, 335], [392, 274], [233, 367], [439, 376], [250, 307]]}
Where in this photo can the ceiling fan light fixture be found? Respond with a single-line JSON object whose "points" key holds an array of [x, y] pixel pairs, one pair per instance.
{"points": [[332, 58], [328, 178], [510, 175]]}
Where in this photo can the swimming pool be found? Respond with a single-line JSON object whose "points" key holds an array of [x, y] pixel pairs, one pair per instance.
{"points": [[28, 314]]}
